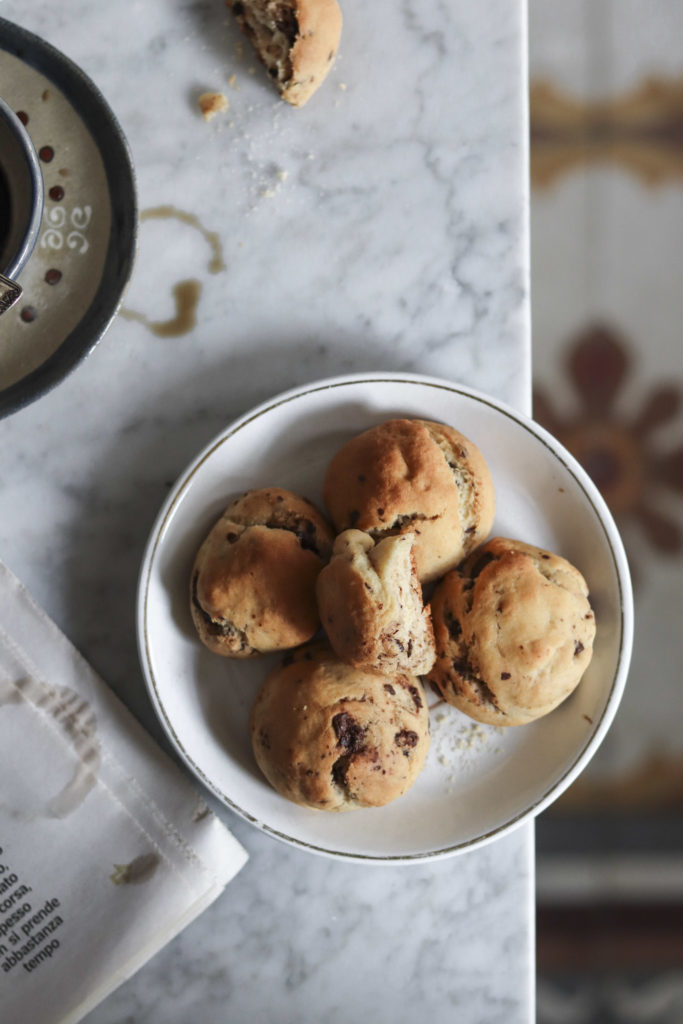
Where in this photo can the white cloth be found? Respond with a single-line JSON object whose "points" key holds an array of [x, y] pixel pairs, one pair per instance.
{"points": [[106, 850]]}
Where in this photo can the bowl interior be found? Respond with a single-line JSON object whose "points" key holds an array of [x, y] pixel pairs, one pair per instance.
{"points": [[479, 781]]}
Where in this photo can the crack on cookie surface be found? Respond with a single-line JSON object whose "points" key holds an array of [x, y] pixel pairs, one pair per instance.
{"points": [[400, 524], [219, 627], [464, 669]]}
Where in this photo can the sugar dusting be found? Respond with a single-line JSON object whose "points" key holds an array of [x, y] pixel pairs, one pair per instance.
{"points": [[458, 743]]}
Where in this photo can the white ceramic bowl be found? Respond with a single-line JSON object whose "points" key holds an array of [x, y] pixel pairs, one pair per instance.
{"points": [[479, 782]]}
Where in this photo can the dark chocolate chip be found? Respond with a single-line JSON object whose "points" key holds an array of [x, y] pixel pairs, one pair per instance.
{"points": [[389, 688], [349, 733], [406, 738], [452, 625], [578, 647], [415, 694], [504, 675], [286, 21]]}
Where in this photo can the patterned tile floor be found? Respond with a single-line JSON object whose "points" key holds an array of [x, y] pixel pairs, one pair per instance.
{"points": [[606, 123]]}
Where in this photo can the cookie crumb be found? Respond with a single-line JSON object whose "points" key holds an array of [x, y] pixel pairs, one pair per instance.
{"points": [[458, 745], [212, 103]]}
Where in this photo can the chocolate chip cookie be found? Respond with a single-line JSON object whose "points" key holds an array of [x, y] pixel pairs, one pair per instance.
{"points": [[370, 603], [514, 633], [335, 738], [414, 476], [253, 580]]}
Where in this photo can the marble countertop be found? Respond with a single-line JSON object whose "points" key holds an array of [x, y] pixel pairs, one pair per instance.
{"points": [[382, 227]]}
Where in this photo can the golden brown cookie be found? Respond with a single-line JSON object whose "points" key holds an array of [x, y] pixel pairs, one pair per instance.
{"points": [[414, 476], [370, 604], [514, 633], [335, 738], [253, 581], [297, 40]]}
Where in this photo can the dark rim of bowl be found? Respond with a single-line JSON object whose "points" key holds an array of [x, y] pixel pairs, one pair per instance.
{"points": [[18, 258], [111, 142]]}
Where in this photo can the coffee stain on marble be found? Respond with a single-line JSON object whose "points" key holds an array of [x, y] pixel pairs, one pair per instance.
{"points": [[138, 871], [78, 728], [186, 293], [186, 297], [216, 264]]}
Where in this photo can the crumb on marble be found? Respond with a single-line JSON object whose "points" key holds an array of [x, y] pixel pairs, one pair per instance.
{"points": [[212, 103]]}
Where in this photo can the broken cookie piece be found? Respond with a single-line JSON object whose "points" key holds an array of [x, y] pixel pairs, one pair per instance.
{"points": [[370, 603], [335, 738], [514, 633], [253, 581], [296, 40]]}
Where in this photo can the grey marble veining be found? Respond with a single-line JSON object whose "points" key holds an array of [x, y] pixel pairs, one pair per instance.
{"points": [[331, 941], [382, 227]]}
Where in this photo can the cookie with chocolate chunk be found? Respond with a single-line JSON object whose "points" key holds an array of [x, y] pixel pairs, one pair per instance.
{"points": [[370, 604], [414, 476], [514, 633], [335, 738], [253, 580], [297, 40]]}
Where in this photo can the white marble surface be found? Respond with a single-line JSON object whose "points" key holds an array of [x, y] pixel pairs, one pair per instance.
{"points": [[382, 227]]}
